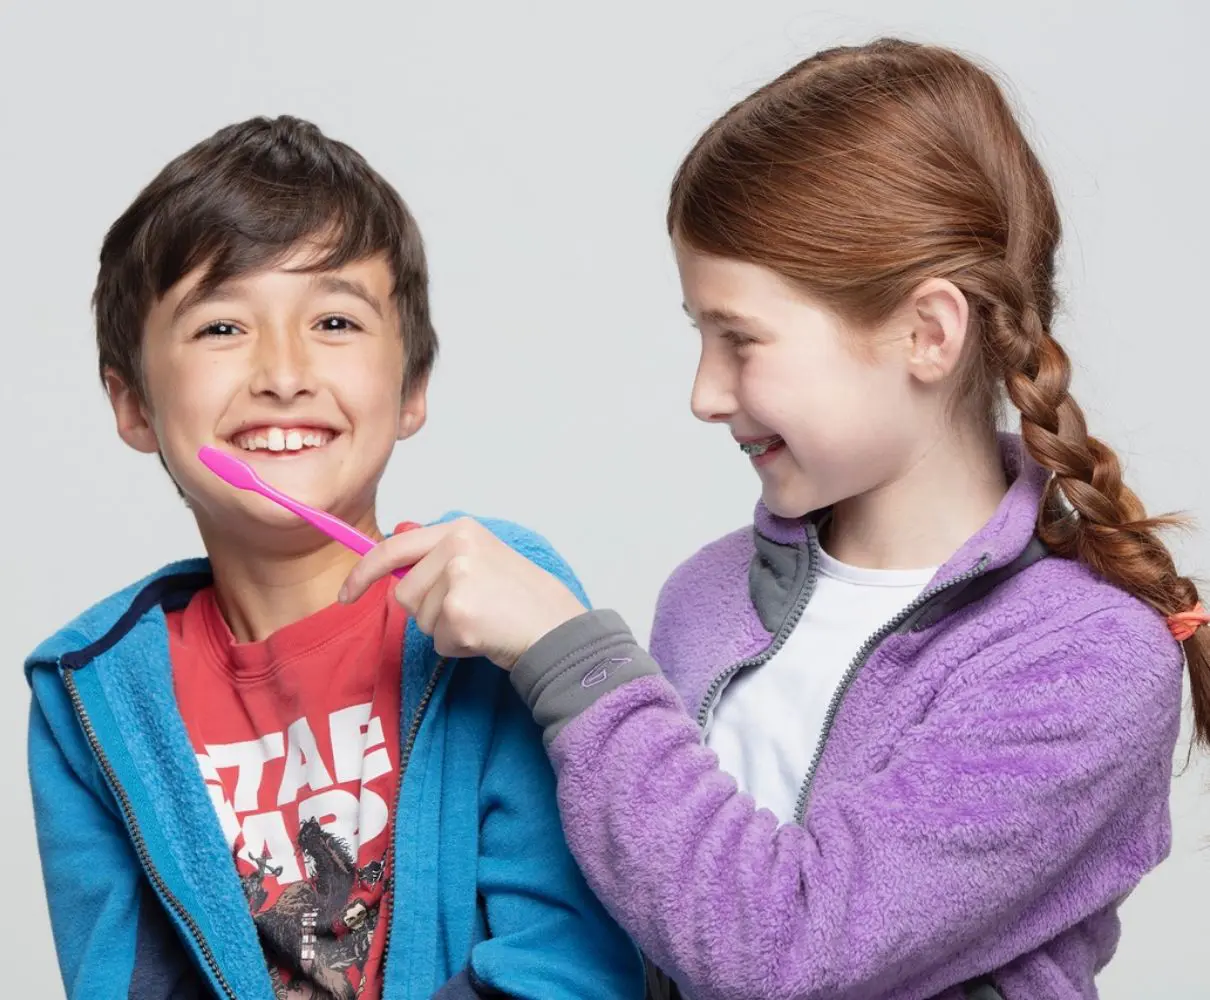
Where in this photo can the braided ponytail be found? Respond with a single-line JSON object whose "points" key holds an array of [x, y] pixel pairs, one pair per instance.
{"points": [[860, 173], [1088, 513]]}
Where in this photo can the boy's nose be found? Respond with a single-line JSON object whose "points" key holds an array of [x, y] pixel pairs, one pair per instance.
{"points": [[282, 366]]}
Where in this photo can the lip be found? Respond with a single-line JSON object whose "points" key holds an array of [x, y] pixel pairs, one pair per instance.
{"points": [[285, 455], [286, 424]]}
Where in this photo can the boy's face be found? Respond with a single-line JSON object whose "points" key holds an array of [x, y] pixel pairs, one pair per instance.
{"points": [[299, 374]]}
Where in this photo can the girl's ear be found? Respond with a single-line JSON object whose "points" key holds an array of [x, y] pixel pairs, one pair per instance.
{"points": [[937, 314]]}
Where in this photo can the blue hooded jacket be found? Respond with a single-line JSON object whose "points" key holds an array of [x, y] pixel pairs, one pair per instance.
{"points": [[144, 896]]}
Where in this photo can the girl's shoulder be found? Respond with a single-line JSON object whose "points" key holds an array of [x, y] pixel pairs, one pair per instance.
{"points": [[715, 576], [704, 614], [1059, 622]]}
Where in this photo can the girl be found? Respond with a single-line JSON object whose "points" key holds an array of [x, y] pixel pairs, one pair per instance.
{"points": [[910, 734]]}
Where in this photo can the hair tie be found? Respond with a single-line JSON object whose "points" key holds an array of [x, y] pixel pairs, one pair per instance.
{"points": [[1183, 624]]}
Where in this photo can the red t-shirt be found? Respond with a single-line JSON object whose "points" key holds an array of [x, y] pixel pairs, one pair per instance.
{"points": [[298, 741]]}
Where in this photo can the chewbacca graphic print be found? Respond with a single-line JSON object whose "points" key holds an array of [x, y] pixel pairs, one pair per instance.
{"points": [[297, 737]]}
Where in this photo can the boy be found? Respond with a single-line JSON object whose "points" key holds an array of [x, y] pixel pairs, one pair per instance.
{"points": [[391, 814]]}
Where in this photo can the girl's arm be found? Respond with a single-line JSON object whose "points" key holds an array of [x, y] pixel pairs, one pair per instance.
{"points": [[1019, 806]]}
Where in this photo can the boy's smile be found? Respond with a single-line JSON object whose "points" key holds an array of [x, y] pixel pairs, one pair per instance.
{"points": [[283, 438], [299, 373]]}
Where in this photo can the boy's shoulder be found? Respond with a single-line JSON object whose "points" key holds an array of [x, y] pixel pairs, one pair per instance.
{"points": [[98, 620], [92, 624], [525, 541], [516, 536]]}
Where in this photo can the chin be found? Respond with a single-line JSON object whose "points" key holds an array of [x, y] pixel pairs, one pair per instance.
{"points": [[791, 508]]}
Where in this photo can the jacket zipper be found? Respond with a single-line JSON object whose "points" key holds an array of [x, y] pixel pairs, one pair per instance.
{"points": [[858, 661], [783, 633], [136, 835], [388, 896]]}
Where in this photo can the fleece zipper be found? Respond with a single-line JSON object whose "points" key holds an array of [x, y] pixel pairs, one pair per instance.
{"points": [[404, 756], [913, 613], [167, 897], [863, 655], [714, 692]]}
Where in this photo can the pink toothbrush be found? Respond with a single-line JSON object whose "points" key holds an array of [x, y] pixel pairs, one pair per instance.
{"points": [[240, 475]]}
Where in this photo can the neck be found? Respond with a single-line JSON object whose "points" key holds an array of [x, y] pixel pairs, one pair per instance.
{"points": [[262, 590], [919, 519]]}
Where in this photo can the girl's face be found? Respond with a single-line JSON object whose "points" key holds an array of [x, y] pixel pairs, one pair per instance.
{"points": [[824, 413]]}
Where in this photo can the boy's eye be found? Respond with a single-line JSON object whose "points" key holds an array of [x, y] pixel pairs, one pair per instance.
{"points": [[219, 328], [736, 339], [336, 324]]}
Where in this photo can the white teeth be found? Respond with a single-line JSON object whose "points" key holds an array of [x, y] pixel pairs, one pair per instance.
{"points": [[282, 439]]}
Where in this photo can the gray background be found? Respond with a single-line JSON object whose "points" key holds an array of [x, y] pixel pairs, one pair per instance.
{"points": [[535, 142]]}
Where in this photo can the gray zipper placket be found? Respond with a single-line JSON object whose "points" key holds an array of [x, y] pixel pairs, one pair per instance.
{"points": [[715, 691]]}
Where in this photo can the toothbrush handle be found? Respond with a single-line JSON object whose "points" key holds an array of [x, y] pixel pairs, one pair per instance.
{"points": [[331, 526]]}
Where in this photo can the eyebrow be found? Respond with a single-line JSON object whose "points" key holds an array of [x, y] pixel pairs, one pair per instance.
{"points": [[202, 292], [718, 316], [348, 286]]}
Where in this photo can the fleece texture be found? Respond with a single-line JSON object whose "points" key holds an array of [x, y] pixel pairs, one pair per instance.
{"points": [[994, 782], [486, 900]]}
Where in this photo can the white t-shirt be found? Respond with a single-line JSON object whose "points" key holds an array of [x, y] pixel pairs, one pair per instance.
{"points": [[770, 719]]}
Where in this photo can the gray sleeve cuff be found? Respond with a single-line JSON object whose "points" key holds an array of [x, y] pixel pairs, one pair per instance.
{"points": [[569, 669]]}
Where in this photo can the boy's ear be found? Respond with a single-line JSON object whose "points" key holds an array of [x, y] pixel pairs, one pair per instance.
{"points": [[130, 414], [938, 313], [415, 408]]}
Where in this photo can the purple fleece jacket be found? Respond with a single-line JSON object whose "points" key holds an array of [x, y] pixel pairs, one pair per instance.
{"points": [[993, 784]]}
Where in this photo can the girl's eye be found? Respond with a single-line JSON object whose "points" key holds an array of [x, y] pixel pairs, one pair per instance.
{"points": [[737, 340], [219, 328], [336, 324]]}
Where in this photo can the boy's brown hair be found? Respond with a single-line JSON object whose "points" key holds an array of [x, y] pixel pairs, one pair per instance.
{"points": [[242, 200]]}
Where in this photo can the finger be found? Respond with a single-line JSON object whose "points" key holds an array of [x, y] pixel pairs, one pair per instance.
{"points": [[404, 549], [428, 615], [454, 631], [447, 641], [412, 590]]}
